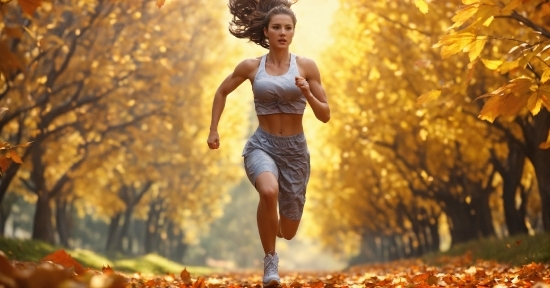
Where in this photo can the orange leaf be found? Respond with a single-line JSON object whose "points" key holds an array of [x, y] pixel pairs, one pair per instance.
{"points": [[5, 266], [318, 284], [420, 278], [545, 145], [160, 3], [199, 283], [29, 6], [4, 163], [15, 157], [10, 63], [507, 105], [186, 277], [107, 270], [64, 259]]}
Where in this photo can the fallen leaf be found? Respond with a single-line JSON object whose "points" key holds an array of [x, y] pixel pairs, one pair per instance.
{"points": [[107, 270], [186, 277], [64, 259]]}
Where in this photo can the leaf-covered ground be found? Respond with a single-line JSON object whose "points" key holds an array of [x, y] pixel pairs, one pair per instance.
{"points": [[59, 269]]}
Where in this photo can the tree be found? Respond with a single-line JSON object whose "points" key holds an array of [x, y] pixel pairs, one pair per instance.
{"points": [[120, 107], [511, 39], [394, 157]]}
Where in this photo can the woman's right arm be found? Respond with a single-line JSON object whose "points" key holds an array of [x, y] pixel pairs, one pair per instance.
{"points": [[231, 82]]}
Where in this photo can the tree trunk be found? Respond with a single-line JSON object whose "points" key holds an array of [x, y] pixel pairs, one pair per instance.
{"points": [[112, 233], [542, 166], [42, 227], [62, 221], [536, 133], [5, 210], [511, 174], [434, 236], [151, 226], [515, 218], [124, 230], [6, 179]]}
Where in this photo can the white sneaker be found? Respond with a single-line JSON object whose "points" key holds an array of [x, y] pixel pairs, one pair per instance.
{"points": [[271, 271]]}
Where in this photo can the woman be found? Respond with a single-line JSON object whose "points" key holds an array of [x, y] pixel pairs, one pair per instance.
{"points": [[276, 157]]}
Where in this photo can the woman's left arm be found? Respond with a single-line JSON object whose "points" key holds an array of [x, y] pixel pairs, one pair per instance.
{"points": [[310, 85]]}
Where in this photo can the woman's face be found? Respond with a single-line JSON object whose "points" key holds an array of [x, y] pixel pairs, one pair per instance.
{"points": [[280, 31]]}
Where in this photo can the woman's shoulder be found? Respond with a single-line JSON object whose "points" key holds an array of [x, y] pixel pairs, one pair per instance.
{"points": [[251, 61], [305, 62], [249, 64]]}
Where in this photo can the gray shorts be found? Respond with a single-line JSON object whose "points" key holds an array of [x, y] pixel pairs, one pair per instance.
{"points": [[287, 157]]}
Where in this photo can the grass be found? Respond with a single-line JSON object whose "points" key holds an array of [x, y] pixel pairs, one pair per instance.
{"points": [[34, 251], [515, 250]]}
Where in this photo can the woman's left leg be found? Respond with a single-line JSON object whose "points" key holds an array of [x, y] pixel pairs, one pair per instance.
{"points": [[287, 227]]}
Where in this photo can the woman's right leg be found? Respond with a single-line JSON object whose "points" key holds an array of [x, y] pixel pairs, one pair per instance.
{"points": [[267, 216], [268, 224]]}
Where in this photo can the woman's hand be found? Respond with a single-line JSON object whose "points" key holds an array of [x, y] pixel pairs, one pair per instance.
{"points": [[302, 84], [213, 140]]}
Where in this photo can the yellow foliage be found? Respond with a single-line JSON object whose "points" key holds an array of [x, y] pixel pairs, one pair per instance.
{"points": [[422, 5], [428, 97]]}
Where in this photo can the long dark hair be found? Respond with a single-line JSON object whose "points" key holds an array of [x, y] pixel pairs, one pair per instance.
{"points": [[250, 17]]}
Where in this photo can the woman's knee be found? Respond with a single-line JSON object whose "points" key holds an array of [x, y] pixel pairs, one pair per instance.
{"points": [[267, 187], [288, 228], [269, 193], [288, 235]]}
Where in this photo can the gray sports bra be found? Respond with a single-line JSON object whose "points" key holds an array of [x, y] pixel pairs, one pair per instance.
{"points": [[278, 94]]}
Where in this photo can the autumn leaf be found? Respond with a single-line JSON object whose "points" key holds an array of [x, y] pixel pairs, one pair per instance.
{"points": [[428, 97], [422, 5], [506, 105], [199, 283], [107, 270], [64, 259], [545, 75], [29, 6], [160, 3], [432, 280], [4, 163], [534, 103], [508, 100], [513, 4], [10, 63], [464, 15], [15, 157], [475, 48], [454, 43], [491, 64], [420, 278], [6, 268], [186, 277]]}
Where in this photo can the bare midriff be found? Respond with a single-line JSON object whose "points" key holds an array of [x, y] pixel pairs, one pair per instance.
{"points": [[281, 124]]}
